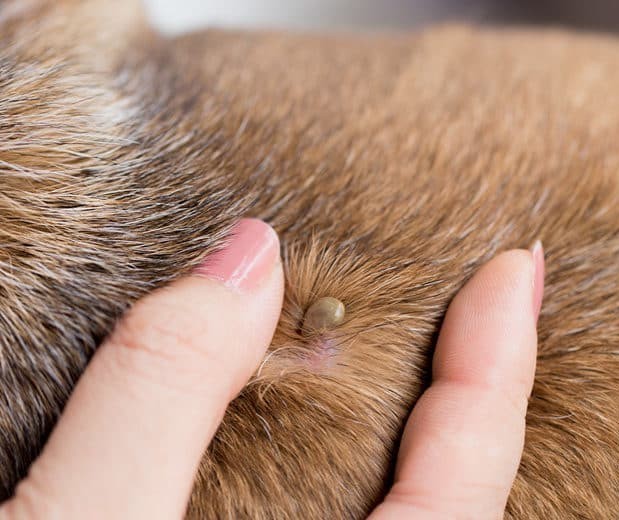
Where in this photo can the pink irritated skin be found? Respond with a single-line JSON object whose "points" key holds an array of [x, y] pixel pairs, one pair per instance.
{"points": [[538, 278], [247, 259], [323, 355]]}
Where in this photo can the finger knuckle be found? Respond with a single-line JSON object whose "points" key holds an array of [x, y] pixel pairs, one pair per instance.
{"points": [[156, 336]]}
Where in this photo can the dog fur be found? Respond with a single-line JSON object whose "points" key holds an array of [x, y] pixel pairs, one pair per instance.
{"points": [[392, 167]]}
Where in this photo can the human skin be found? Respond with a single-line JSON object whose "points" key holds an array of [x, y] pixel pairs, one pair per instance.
{"points": [[164, 378]]}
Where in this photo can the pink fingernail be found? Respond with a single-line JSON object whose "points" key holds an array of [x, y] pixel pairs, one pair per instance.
{"points": [[248, 257], [538, 278]]}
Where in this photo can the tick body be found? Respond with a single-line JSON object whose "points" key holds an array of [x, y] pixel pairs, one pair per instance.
{"points": [[324, 314]]}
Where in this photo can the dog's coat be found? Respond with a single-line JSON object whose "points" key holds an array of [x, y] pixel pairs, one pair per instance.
{"points": [[391, 166]]}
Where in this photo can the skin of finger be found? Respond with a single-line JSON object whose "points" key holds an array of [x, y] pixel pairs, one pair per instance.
{"points": [[463, 441], [490, 338], [132, 435]]}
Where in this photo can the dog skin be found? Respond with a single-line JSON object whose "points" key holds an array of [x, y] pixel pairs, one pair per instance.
{"points": [[392, 167]]}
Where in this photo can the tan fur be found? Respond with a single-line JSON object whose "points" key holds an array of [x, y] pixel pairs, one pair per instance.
{"points": [[391, 166]]}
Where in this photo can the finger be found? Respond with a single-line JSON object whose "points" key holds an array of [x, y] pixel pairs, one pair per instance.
{"points": [[463, 441], [130, 439]]}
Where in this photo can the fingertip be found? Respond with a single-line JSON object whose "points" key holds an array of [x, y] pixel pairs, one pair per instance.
{"points": [[463, 441], [489, 333]]}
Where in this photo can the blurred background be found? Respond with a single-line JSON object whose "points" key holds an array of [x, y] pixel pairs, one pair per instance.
{"points": [[182, 15]]}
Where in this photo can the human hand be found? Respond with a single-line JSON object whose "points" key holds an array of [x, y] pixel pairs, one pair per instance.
{"points": [[464, 439], [132, 435], [162, 381]]}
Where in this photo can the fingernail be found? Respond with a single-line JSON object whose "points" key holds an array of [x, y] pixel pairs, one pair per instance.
{"points": [[537, 250], [248, 257]]}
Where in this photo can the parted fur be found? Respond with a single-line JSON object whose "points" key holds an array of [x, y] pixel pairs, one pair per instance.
{"points": [[391, 166]]}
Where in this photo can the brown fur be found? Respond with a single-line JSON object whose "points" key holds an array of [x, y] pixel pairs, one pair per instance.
{"points": [[391, 166]]}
